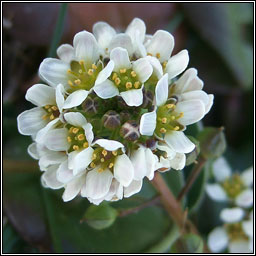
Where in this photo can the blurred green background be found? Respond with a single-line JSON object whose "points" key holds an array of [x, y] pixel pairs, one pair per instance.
{"points": [[219, 38]]}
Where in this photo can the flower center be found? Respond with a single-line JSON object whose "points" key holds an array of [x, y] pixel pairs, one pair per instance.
{"points": [[82, 76], [235, 231], [125, 79], [52, 112], [76, 138], [167, 119], [104, 158], [233, 185]]}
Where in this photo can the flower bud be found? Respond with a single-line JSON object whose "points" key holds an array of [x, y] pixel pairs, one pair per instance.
{"points": [[130, 130], [125, 116], [151, 143], [147, 99], [90, 106], [111, 120]]}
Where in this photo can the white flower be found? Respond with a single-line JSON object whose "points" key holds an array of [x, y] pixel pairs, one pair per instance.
{"points": [[231, 187], [236, 234], [126, 78]]}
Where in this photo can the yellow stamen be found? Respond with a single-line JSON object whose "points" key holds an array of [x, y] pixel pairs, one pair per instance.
{"points": [[181, 114], [80, 71], [94, 156], [44, 117], [173, 117], [149, 54], [85, 145], [114, 153], [80, 137], [110, 165], [75, 130], [54, 108], [176, 128], [164, 64], [90, 72], [100, 170], [69, 71], [128, 85], [52, 117], [114, 76], [93, 165], [81, 62], [104, 152], [70, 83], [77, 81], [137, 85], [133, 74], [71, 129], [164, 120], [122, 71], [102, 160], [158, 55], [94, 66], [117, 81], [69, 139], [49, 110], [170, 106], [163, 130], [46, 107], [75, 147]]}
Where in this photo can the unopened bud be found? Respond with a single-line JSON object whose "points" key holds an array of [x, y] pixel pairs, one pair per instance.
{"points": [[147, 99], [130, 130], [90, 106], [151, 143], [125, 116], [111, 120], [192, 156]]}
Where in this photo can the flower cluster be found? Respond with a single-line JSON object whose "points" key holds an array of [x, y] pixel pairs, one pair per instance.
{"points": [[113, 111], [237, 232]]}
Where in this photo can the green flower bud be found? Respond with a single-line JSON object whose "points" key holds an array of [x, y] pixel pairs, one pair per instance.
{"points": [[111, 120], [101, 216], [192, 156], [130, 130]]}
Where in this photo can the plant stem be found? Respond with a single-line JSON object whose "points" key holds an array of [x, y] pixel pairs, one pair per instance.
{"points": [[195, 172]]}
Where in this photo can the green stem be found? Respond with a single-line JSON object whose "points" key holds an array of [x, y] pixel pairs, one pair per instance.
{"points": [[58, 30]]}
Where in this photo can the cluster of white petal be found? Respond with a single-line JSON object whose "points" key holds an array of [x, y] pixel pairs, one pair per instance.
{"points": [[73, 152], [236, 234]]}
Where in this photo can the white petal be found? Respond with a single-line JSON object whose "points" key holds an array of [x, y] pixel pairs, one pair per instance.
{"points": [[31, 121], [221, 169], [122, 40], [178, 162], [75, 99], [136, 28], [195, 95], [133, 97], [32, 150], [66, 53], [162, 90], [116, 191], [105, 73], [216, 192], [106, 90], [161, 43], [71, 157], [163, 163], [86, 47], [217, 240], [121, 58], [82, 160], [49, 178], [56, 139], [73, 188], [59, 95], [96, 201], [49, 157], [239, 246], [247, 176], [123, 170], [54, 71], [88, 132], [151, 161], [104, 33], [143, 69], [40, 136], [231, 215], [177, 64], [157, 67], [64, 174], [147, 39], [248, 227], [148, 123], [210, 103], [75, 118], [179, 142], [245, 199], [193, 110], [133, 188], [97, 184], [110, 145], [169, 151], [41, 95], [138, 159]]}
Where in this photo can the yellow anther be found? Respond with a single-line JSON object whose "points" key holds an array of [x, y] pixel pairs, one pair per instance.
{"points": [[158, 55], [85, 145], [69, 71], [70, 83], [164, 64], [173, 117], [149, 54], [104, 152], [170, 106], [94, 66], [80, 71], [163, 130], [69, 139], [176, 128], [75, 130], [94, 156], [181, 114], [80, 137], [128, 85], [137, 85], [75, 147], [117, 81], [77, 81], [90, 72], [100, 170], [114, 153], [93, 165], [46, 106], [44, 117], [54, 108], [122, 71], [114, 76], [52, 117], [164, 120], [102, 160], [110, 165], [81, 62], [49, 110], [133, 74]]}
